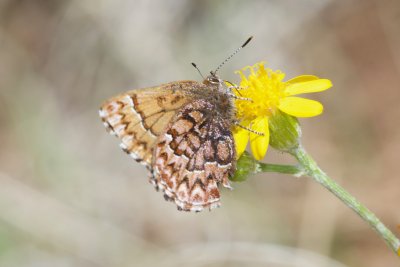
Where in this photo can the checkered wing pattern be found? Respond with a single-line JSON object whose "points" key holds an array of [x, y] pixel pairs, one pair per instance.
{"points": [[138, 117], [194, 155]]}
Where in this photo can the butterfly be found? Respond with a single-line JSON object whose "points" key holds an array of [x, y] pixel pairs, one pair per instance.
{"points": [[181, 131]]}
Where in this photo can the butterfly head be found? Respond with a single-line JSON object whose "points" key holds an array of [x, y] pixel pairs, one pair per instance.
{"points": [[213, 79], [215, 83]]}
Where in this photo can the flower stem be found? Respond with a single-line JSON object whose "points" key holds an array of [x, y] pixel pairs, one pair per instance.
{"points": [[287, 169], [247, 165], [311, 168]]}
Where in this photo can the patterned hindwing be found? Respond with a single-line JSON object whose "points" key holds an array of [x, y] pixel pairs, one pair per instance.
{"points": [[193, 156], [138, 117]]}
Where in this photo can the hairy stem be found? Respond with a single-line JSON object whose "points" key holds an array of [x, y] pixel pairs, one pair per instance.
{"points": [[311, 169], [287, 169]]}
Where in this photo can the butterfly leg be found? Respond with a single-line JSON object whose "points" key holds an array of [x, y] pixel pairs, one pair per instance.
{"points": [[240, 98], [237, 88], [233, 86], [236, 123]]}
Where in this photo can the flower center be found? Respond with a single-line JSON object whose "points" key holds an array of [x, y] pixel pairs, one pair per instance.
{"points": [[264, 87]]}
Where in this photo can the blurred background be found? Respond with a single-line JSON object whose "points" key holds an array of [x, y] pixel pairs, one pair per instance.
{"points": [[70, 197]]}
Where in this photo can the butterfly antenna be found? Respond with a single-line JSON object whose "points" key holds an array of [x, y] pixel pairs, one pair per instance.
{"points": [[234, 53], [195, 66]]}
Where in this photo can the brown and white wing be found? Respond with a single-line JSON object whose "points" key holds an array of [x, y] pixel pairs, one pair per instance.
{"points": [[138, 117], [193, 156]]}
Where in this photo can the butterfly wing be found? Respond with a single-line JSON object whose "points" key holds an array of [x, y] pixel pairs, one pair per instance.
{"points": [[138, 117], [193, 156]]}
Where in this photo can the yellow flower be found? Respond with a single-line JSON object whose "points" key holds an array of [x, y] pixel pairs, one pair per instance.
{"points": [[269, 95]]}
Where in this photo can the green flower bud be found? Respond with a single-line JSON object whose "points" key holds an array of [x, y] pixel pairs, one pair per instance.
{"points": [[245, 166], [285, 131]]}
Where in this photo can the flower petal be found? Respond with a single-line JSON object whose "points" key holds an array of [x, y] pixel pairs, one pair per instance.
{"points": [[241, 137], [259, 143], [300, 107], [303, 78], [311, 86]]}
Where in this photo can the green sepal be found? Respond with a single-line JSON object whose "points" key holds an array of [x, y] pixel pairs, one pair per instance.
{"points": [[285, 131], [245, 166]]}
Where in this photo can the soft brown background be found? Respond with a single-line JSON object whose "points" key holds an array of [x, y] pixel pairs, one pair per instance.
{"points": [[70, 197]]}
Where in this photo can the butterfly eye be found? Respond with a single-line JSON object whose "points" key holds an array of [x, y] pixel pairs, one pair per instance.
{"points": [[213, 80]]}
